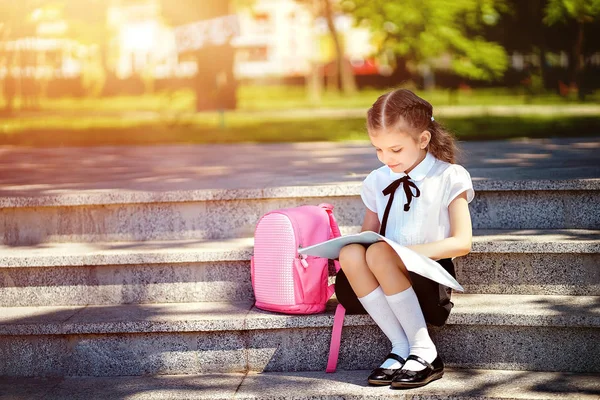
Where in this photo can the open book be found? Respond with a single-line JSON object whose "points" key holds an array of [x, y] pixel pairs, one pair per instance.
{"points": [[413, 261]]}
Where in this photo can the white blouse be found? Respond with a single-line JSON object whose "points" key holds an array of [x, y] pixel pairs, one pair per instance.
{"points": [[427, 220]]}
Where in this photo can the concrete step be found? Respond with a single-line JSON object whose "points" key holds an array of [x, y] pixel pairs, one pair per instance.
{"points": [[457, 384], [218, 214], [510, 332], [562, 262]]}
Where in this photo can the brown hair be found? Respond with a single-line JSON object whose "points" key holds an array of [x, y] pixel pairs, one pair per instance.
{"points": [[402, 105]]}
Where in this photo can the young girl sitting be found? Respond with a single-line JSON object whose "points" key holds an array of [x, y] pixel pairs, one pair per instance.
{"points": [[430, 215]]}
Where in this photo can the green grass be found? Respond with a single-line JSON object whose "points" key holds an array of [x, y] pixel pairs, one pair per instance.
{"points": [[206, 129], [262, 98], [114, 121], [281, 98]]}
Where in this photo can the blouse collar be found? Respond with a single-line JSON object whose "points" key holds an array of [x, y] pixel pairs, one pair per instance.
{"points": [[419, 172]]}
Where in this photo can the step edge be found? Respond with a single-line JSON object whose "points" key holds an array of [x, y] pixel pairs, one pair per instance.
{"points": [[112, 197], [243, 253], [254, 319]]}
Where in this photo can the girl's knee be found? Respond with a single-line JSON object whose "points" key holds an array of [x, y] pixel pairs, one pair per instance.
{"points": [[381, 258], [379, 253], [352, 255]]}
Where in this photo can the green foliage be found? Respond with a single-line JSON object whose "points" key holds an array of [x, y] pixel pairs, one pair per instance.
{"points": [[422, 31], [582, 11]]}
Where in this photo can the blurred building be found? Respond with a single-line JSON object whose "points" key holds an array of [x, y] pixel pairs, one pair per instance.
{"points": [[143, 45], [277, 38], [281, 38], [131, 49]]}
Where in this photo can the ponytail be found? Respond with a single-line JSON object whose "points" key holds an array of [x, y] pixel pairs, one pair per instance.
{"points": [[442, 144]]}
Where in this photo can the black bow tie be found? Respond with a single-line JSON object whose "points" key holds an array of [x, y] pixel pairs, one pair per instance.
{"points": [[391, 189]]}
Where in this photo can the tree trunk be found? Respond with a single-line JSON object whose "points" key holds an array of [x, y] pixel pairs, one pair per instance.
{"points": [[343, 69], [314, 84], [579, 63], [540, 40], [543, 66], [314, 77]]}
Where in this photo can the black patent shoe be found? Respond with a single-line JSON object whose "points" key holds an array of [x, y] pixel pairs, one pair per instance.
{"points": [[383, 376], [406, 379]]}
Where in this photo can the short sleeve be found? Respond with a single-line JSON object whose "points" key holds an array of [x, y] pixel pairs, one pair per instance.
{"points": [[458, 181], [367, 192]]}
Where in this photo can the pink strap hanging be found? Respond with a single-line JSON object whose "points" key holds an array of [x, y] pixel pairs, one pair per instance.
{"points": [[340, 312], [336, 336]]}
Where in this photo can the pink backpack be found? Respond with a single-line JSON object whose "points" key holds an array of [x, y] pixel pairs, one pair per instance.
{"points": [[283, 280]]}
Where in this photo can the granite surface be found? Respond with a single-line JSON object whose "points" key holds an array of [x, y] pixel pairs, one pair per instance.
{"points": [[542, 241], [207, 386], [500, 273], [469, 309], [457, 384], [540, 274], [126, 253], [531, 348], [214, 220], [334, 189], [125, 318], [559, 262], [126, 284], [526, 348]]}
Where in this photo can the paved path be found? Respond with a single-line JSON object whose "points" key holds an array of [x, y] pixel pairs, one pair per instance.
{"points": [[36, 172]]}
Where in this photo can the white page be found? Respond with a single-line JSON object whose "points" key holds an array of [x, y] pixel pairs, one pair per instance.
{"points": [[414, 262], [331, 248]]}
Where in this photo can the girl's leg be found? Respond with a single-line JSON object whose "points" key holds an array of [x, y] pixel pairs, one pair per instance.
{"points": [[353, 262], [369, 293], [390, 271]]}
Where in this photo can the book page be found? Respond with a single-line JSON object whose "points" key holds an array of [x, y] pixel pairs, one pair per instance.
{"points": [[331, 248]]}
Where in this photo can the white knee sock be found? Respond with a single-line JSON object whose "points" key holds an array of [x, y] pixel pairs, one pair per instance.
{"points": [[378, 308], [405, 306]]}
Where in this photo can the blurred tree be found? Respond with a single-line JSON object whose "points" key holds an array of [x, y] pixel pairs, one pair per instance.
{"points": [[583, 12], [87, 24], [215, 83], [343, 75], [16, 22], [520, 29], [425, 33]]}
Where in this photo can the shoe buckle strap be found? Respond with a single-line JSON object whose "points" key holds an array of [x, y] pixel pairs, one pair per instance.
{"points": [[419, 360], [396, 357]]}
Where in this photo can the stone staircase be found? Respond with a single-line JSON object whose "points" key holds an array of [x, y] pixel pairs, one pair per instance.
{"points": [[125, 290]]}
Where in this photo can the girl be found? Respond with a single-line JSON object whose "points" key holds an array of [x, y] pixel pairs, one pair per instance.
{"points": [[430, 216]]}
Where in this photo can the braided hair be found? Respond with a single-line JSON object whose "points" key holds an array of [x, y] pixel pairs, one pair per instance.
{"points": [[403, 106]]}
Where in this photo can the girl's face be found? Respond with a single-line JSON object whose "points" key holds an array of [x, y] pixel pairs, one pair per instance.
{"points": [[398, 150]]}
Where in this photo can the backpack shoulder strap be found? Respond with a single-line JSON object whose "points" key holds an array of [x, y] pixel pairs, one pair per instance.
{"points": [[335, 229], [335, 232]]}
